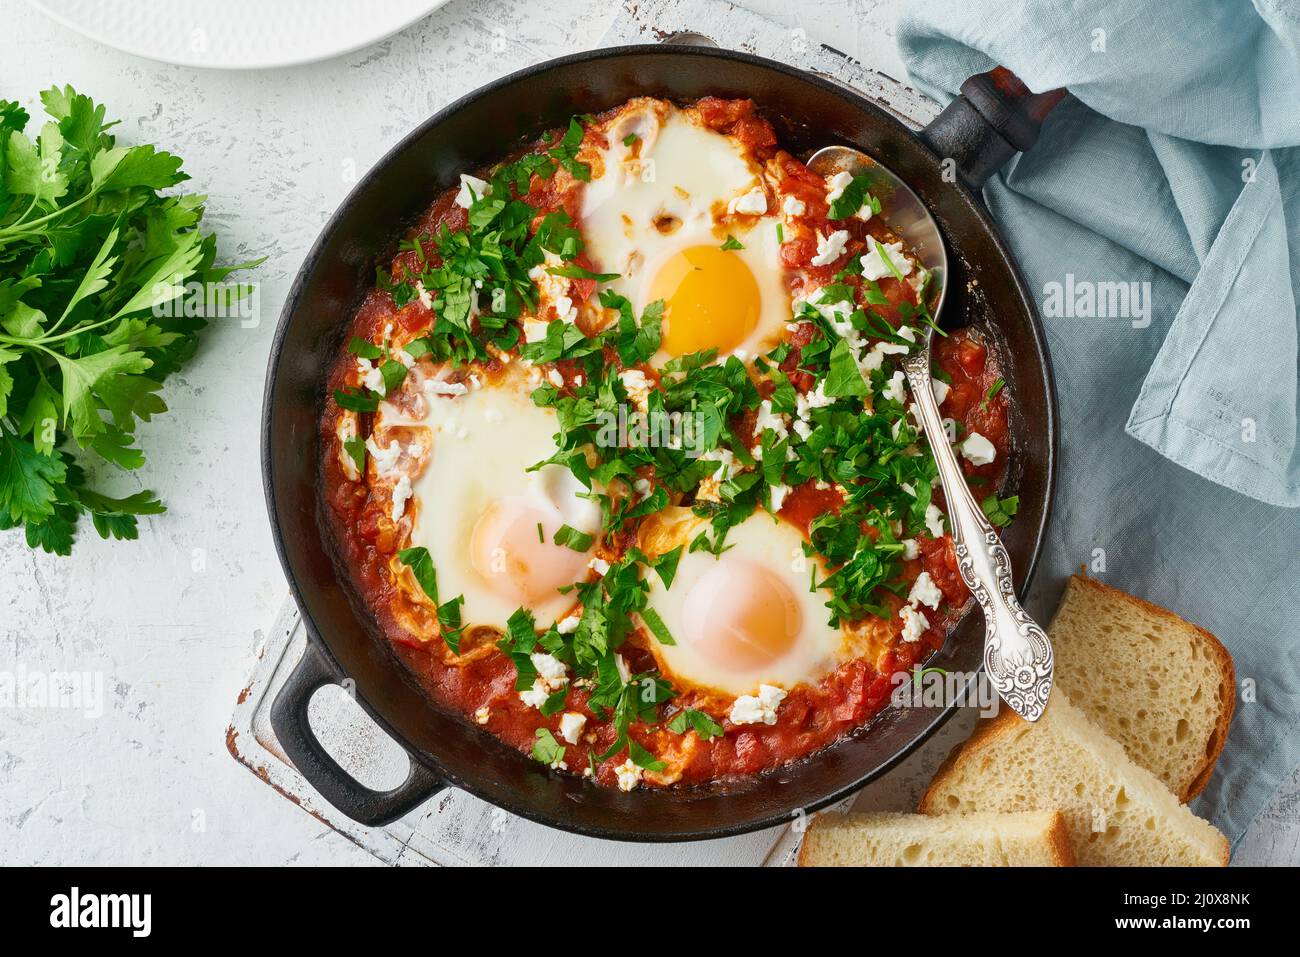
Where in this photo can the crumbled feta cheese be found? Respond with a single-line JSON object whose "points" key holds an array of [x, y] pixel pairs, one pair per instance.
{"points": [[892, 348], [934, 521], [873, 267], [552, 675], [599, 566], [779, 492], [910, 549], [629, 775], [534, 330], [914, 623], [726, 460], [347, 430], [385, 459], [978, 450], [480, 188], [553, 376], [426, 297], [571, 725], [565, 310], [837, 184], [551, 671], [753, 709], [872, 361], [794, 206], [371, 377], [767, 419], [642, 487], [569, 625], [753, 203], [940, 390], [535, 696], [906, 332], [637, 386], [401, 493], [816, 399], [908, 487], [865, 212], [896, 388], [830, 248], [442, 387], [924, 592], [482, 715]]}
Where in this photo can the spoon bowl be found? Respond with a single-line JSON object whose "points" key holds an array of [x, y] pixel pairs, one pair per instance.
{"points": [[907, 217]]}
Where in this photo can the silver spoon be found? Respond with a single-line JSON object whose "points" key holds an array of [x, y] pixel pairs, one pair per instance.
{"points": [[1017, 655]]}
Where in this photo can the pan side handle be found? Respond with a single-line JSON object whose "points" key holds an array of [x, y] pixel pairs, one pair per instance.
{"points": [[292, 727], [994, 117]]}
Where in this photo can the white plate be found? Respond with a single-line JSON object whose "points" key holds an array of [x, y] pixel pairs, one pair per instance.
{"points": [[237, 34]]}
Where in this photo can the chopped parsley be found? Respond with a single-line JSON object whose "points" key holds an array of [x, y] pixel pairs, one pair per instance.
{"points": [[856, 195], [993, 390], [355, 448], [546, 749], [1000, 511], [570, 537], [688, 719]]}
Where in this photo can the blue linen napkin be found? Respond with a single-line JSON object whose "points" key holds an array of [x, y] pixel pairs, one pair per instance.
{"points": [[1158, 220]]}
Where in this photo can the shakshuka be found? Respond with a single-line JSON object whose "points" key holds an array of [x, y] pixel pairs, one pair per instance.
{"points": [[621, 456]]}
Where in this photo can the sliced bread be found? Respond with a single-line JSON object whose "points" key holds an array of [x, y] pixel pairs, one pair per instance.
{"points": [[883, 839], [1160, 686], [1117, 813]]}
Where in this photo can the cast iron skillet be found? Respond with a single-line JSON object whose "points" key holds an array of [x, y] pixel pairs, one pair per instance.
{"points": [[979, 132]]}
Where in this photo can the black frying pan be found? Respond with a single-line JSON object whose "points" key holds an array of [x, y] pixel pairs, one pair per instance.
{"points": [[978, 132]]}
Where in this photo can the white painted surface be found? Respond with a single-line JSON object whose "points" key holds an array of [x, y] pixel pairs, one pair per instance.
{"points": [[172, 621]]}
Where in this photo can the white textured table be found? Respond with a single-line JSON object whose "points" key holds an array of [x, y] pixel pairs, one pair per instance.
{"points": [[171, 621]]}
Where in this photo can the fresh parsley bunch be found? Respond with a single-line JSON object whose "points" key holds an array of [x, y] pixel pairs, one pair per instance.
{"points": [[92, 257]]}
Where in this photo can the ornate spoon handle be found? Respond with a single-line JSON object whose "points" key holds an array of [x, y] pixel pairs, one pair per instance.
{"points": [[1017, 654]]}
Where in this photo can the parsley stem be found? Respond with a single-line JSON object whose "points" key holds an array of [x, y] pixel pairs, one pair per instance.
{"points": [[9, 232]]}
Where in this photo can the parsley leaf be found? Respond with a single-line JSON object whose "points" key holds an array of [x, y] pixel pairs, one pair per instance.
{"points": [[657, 627], [546, 749], [702, 724], [97, 271], [566, 152], [570, 537], [844, 377]]}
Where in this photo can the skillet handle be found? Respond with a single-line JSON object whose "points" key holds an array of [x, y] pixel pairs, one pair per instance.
{"points": [[293, 730], [994, 118]]}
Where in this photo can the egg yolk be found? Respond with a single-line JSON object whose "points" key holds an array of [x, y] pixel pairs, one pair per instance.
{"points": [[517, 561], [742, 616], [711, 300]]}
